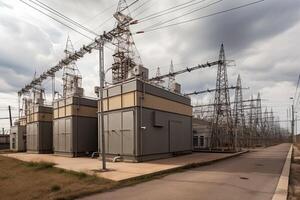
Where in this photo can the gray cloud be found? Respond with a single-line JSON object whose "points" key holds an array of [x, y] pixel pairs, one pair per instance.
{"points": [[262, 39]]}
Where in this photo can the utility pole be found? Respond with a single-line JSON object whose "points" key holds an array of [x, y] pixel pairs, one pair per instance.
{"points": [[293, 124], [101, 124], [10, 119], [53, 87], [296, 129]]}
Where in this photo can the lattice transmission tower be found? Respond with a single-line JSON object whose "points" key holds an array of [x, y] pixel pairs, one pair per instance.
{"points": [[171, 80], [265, 127], [158, 81], [238, 111], [126, 57], [222, 133], [72, 79], [258, 120]]}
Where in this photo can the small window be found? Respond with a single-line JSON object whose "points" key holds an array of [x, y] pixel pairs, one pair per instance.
{"points": [[195, 141], [201, 141], [13, 143]]}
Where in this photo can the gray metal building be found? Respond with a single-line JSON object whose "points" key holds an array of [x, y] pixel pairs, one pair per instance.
{"points": [[39, 129], [144, 122], [4, 141], [201, 134], [75, 126], [18, 135]]}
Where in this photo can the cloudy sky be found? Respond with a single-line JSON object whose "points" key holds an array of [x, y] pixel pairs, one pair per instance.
{"points": [[262, 39]]}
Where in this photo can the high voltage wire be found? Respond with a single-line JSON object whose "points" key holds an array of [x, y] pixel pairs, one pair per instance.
{"points": [[129, 5], [59, 14], [171, 11], [183, 15], [295, 96], [140, 6], [157, 13], [144, 10], [56, 20], [205, 16], [53, 11], [100, 13]]}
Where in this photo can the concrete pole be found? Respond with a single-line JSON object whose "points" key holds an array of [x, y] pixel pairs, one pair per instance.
{"points": [[296, 129], [236, 139], [19, 105], [10, 119], [53, 88], [293, 124], [101, 125]]}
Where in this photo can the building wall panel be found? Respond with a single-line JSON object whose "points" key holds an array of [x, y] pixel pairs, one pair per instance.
{"points": [[115, 140], [128, 133], [114, 103], [162, 104], [128, 100]]}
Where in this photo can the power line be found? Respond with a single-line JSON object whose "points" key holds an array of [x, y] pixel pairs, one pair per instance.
{"points": [[100, 13], [143, 11], [172, 11], [56, 20], [205, 16], [185, 14], [296, 92], [157, 13], [59, 14], [129, 5], [140, 6]]}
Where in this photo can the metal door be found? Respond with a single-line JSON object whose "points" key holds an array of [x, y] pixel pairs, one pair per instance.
{"points": [[61, 135], [115, 139], [55, 135], [68, 135], [128, 132]]}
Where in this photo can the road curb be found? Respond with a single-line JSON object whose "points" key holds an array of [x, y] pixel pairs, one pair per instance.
{"points": [[184, 167], [281, 192]]}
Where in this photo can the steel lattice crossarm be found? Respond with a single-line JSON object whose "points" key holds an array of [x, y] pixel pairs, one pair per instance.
{"points": [[208, 91], [101, 39], [208, 64], [244, 101]]}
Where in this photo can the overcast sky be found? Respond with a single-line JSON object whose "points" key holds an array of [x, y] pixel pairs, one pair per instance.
{"points": [[262, 39]]}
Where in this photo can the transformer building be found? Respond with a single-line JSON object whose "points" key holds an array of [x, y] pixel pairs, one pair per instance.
{"points": [[201, 134], [145, 122], [39, 125], [75, 126], [18, 135], [75, 117], [4, 141]]}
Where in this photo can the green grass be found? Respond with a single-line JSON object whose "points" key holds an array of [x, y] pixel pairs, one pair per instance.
{"points": [[79, 175], [39, 165]]}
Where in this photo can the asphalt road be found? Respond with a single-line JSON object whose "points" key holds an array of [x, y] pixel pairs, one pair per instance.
{"points": [[250, 176]]}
